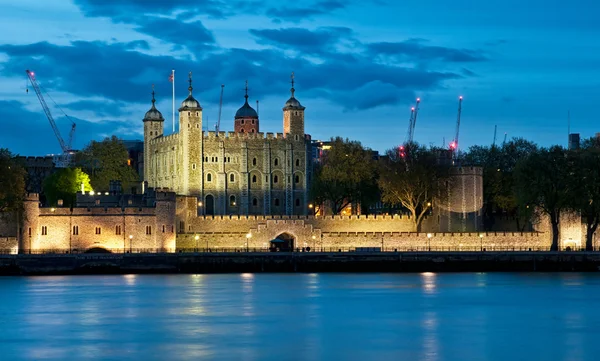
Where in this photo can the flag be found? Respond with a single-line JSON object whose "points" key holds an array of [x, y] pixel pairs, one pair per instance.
{"points": [[171, 77]]}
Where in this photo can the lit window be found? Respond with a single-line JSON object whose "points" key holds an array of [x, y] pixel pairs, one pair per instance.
{"points": [[232, 201], [44, 230]]}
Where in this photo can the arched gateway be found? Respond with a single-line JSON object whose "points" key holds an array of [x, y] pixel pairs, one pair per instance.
{"points": [[283, 243]]}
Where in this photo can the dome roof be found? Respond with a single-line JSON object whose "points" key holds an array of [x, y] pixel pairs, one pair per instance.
{"points": [[153, 115], [293, 103], [190, 102], [246, 111]]}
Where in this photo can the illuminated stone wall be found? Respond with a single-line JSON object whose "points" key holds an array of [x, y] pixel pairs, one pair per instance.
{"points": [[9, 245]]}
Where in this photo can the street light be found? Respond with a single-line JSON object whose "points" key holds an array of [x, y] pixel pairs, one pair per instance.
{"points": [[248, 236], [429, 235], [314, 238], [130, 240], [196, 237], [481, 242]]}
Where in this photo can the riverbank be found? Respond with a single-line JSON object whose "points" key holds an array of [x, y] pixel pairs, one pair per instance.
{"points": [[72, 264]]}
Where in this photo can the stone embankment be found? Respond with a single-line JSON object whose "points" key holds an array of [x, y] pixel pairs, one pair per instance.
{"points": [[58, 264]]}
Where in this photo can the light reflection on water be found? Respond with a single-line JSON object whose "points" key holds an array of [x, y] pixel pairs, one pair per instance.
{"points": [[424, 316]]}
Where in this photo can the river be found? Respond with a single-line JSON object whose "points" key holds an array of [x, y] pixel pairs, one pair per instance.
{"points": [[461, 316]]}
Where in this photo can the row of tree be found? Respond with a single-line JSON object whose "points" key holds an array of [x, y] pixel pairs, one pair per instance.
{"points": [[93, 167], [520, 180]]}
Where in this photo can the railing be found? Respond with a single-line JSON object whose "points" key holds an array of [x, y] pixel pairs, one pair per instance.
{"points": [[482, 250]]}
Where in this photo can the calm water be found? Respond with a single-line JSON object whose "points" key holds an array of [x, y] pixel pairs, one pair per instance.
{"points": [[302, 317]]}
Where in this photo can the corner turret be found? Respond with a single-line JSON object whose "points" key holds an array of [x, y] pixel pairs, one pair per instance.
{"points": [[246, 118], [293, 115]]}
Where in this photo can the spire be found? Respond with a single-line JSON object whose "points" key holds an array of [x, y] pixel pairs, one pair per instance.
{"points": [[246, 96], [190, 80], [153, 100], [292, 90]]}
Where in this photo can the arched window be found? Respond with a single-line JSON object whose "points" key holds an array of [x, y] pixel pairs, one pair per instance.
{"points": [[253, 161], [232, 201], [297, 179], [253, 130], [242, 121], [255, 202], [241, 130], [209, 177], [254, 179], [275, 179], [297, 202], [276, 162], [252, 121], [277, 202], [297, 162], [150, 133], [232, 177]]}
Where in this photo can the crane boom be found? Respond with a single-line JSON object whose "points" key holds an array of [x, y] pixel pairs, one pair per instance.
{"points": [[454, 145], [64, 146], [409, 134], [495, 133], [220, 108]]}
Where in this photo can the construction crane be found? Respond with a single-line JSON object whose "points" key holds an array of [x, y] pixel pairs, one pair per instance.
{"points": [[220, 109], [495, 133], [454, 144], [412, 121], [65, 158], [504, 142]]}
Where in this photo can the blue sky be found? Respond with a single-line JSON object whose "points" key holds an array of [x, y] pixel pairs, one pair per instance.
{"points": [[359, 66]]}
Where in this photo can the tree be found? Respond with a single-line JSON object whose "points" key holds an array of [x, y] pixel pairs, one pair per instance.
{"points": [[544, 180], [105, 161], [498, 165], [64, 184], [586, 179], [411, 176], [12, 183], [346, 175]]}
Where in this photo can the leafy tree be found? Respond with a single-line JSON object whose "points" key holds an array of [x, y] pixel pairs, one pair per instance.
{"points": [[498, 165], [64, 184], [586, 179], [544, 180], [346, 175], [12, 182], [411, 175], [105, 161]]}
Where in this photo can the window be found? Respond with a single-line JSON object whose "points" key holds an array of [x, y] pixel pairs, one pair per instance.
{"points": [[97, 202], [228, 159], [275, 179], [296, 137], [276, 162], [297, 162], [164, 227], [181, 226], [193, 165], [276, 202], [98, 230], [150, 133], [297, 202], [297, 179], [252, 121], [242, 121], [252, 131], [254, 179], [241, 130], [212, 159], [44, 230], [209, 177], [118, 230], [253, 161], [172, 228], [148, 230], [232, 177], [216, 159], [232, 201], [29, 231], [255, 202], [75, 230]]}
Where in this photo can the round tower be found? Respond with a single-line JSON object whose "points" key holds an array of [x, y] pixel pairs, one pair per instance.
{"points": [[190, 143], [246, 118], [153, 128], [293, 115], [460, 209], [30, 230]]}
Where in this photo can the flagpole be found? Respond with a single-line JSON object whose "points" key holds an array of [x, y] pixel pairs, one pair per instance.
{"points": [[173, 74]]}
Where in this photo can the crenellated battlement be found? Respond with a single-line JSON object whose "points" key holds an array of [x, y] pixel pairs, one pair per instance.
{"points": [[235, 135], [471, 171], [170, 139]]}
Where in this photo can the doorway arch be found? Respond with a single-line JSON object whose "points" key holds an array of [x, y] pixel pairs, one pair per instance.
{"points": [[209, 203], [97, 250], [284, 242]]}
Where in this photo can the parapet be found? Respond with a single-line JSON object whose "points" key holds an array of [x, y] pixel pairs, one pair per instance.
{"points": [[32, 197], [477, 171]]}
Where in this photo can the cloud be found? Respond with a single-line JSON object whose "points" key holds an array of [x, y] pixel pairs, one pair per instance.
{"points": [[299, 13], [125, 10], [312, 42], [103, 108], [191, 34], [414, 49]]}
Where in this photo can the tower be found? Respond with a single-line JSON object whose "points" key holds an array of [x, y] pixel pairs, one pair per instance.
{"points": [[153, 128], [190, 143], [293, 116], [246, 118]]}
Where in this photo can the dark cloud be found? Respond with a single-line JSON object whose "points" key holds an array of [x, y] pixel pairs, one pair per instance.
{"points": [[415, 49], [125, 10], [193, 34], [307, 41], [101, 108], [298, 13], [468, 72]]}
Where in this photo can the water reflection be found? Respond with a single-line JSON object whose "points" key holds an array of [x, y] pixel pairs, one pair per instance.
{"points": [[429, 316]]}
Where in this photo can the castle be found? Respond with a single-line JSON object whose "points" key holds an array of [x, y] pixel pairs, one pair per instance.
{"points": [[243, 172]]}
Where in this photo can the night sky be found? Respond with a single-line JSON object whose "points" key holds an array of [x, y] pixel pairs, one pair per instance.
{"points": [[520, 65]]}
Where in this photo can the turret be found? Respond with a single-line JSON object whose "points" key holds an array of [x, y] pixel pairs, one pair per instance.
{"points": [[190, 142], [293, 116], [153, 128], [246, 118]]}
